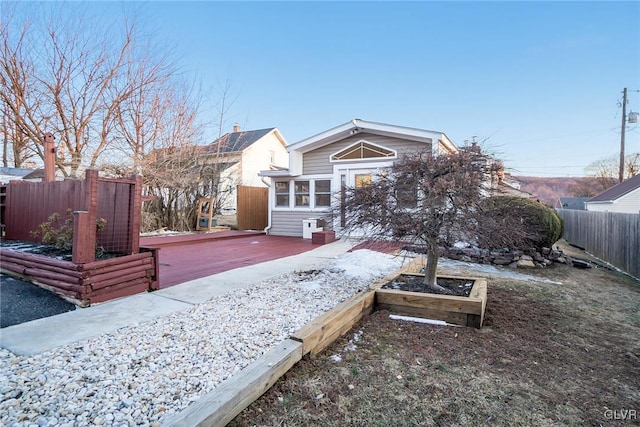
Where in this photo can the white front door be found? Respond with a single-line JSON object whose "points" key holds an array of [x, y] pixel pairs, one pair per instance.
{"points": [[354, 176]]}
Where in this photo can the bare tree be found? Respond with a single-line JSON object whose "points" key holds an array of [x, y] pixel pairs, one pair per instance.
{"points": [[73, 76], [606, 170], [22, 122], [423, 198]]}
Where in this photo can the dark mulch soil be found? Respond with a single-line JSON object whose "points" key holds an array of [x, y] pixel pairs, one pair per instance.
{"points": [[411, 283], [48, 250]]}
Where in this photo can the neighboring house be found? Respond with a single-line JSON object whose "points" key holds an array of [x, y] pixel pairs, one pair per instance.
{"points": [[346, 155], [11, 174], [497, 182], [574, 203], [509, 187], [622, 198], [242, 155]]}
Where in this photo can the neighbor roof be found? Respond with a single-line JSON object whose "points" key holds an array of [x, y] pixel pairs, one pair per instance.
{"points": [[575, 203], [238, 141], [618, 190]]}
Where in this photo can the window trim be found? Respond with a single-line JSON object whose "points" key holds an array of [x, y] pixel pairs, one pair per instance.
{"points": [[292, 194]]}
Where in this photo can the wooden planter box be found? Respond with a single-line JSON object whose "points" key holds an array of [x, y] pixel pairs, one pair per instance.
{"points": [[464, 311], [88, 283]]}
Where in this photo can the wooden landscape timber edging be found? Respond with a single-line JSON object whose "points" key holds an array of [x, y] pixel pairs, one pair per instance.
{"points": [[85, 284], [464, 311], [225, 402], [316, 335]]}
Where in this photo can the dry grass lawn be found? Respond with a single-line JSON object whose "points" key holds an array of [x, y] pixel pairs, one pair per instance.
{"points": [[549, 354]]}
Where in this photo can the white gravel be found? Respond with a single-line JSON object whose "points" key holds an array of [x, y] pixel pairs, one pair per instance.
{"points": [[137, 375]]}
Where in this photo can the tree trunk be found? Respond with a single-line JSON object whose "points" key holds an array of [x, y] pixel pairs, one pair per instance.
{"points": [[430, 269]]}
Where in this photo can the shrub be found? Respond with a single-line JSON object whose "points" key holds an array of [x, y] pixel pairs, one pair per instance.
{"points": [[533, 224], [59, 233]]}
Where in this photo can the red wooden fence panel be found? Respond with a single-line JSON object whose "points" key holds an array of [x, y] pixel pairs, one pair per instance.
{"points": [[117, 201]]}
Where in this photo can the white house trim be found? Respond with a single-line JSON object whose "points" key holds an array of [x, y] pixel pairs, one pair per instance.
{"points": [[360, 143]]}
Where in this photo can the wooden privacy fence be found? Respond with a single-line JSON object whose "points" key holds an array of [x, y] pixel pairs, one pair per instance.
{"points": [[253, 208], [613, 237], [117, 201], [82, 280]]}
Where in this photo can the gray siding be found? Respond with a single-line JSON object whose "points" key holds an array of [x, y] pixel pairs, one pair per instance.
{"points": [[289, 223], [317, 161]]}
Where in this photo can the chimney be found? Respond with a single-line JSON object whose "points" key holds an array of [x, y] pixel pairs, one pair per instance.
{"points": [[236, 128]]}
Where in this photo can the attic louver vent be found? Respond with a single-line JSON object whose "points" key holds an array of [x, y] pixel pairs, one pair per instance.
{"points": [[363, 150]]}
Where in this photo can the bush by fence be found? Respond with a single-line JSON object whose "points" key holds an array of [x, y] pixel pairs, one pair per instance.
{"points": [[613, 237]]}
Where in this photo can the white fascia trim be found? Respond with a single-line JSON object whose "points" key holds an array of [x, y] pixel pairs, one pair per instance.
{"points": [[321, 138], [449, 143], [276, 174], [604, 202], [278, 135]]}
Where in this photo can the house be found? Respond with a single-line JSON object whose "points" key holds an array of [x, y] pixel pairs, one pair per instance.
{"points": [[241, 155], [498, 182], [10, 174], [575, 203], [623, 198], [346, 155]]}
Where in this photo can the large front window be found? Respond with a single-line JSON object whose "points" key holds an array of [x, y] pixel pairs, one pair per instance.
{"points": [[306, 194]]}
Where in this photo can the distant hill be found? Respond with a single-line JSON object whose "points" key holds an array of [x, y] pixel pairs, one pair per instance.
{"points": [[548, 190]]}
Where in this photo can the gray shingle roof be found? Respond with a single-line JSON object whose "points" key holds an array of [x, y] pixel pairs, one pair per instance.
{"points": [[618, 190], [575, 203], [237, 141]]}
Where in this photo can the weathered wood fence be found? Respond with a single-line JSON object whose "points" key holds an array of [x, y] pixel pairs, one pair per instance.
{"points": [[253, 208], [612, 237]]}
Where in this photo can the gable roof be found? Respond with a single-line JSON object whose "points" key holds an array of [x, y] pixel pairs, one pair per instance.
{"points": [[356, 126], [237, 141], [617, 190], [575, 203]]}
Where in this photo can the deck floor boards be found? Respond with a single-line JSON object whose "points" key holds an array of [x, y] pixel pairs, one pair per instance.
{"points": [[194, 258]]}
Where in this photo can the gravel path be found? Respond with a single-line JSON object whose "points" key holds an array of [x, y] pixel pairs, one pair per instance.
{"points": [[137, 375]]}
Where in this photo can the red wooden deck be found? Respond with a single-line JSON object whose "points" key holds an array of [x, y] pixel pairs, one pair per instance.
{"points": [[189, 257]]}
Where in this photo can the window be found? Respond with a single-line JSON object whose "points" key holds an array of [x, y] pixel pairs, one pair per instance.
{"points": [[407, 193], [301, 189], [282, 193], [323, 193], [362, 179]]}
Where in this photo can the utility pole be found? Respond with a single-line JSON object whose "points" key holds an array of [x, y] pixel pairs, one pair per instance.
{"points": [[622, 129]]}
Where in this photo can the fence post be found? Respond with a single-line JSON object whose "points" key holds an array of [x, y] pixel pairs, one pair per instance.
{"points": [[84, 222], [81, 251], [135, 213]]}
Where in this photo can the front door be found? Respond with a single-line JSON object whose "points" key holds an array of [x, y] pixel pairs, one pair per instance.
{"points": [[353, 178]]}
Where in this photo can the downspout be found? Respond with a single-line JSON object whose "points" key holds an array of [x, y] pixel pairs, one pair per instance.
{"points": [[268, 227]]}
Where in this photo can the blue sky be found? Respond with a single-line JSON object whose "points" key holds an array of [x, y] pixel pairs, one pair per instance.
{"points": [[540, 80]]}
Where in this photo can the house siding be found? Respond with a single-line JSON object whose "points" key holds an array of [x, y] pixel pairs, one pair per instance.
{"points": [[289, 223], [317, 161], [628, 203], [256, 158]]}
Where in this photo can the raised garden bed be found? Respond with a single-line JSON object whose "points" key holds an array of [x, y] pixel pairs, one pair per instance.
{"points": [[87, 283], [459, 310]]}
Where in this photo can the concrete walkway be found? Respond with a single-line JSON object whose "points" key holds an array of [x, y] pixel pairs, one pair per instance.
{"points": [[45, 334]]}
